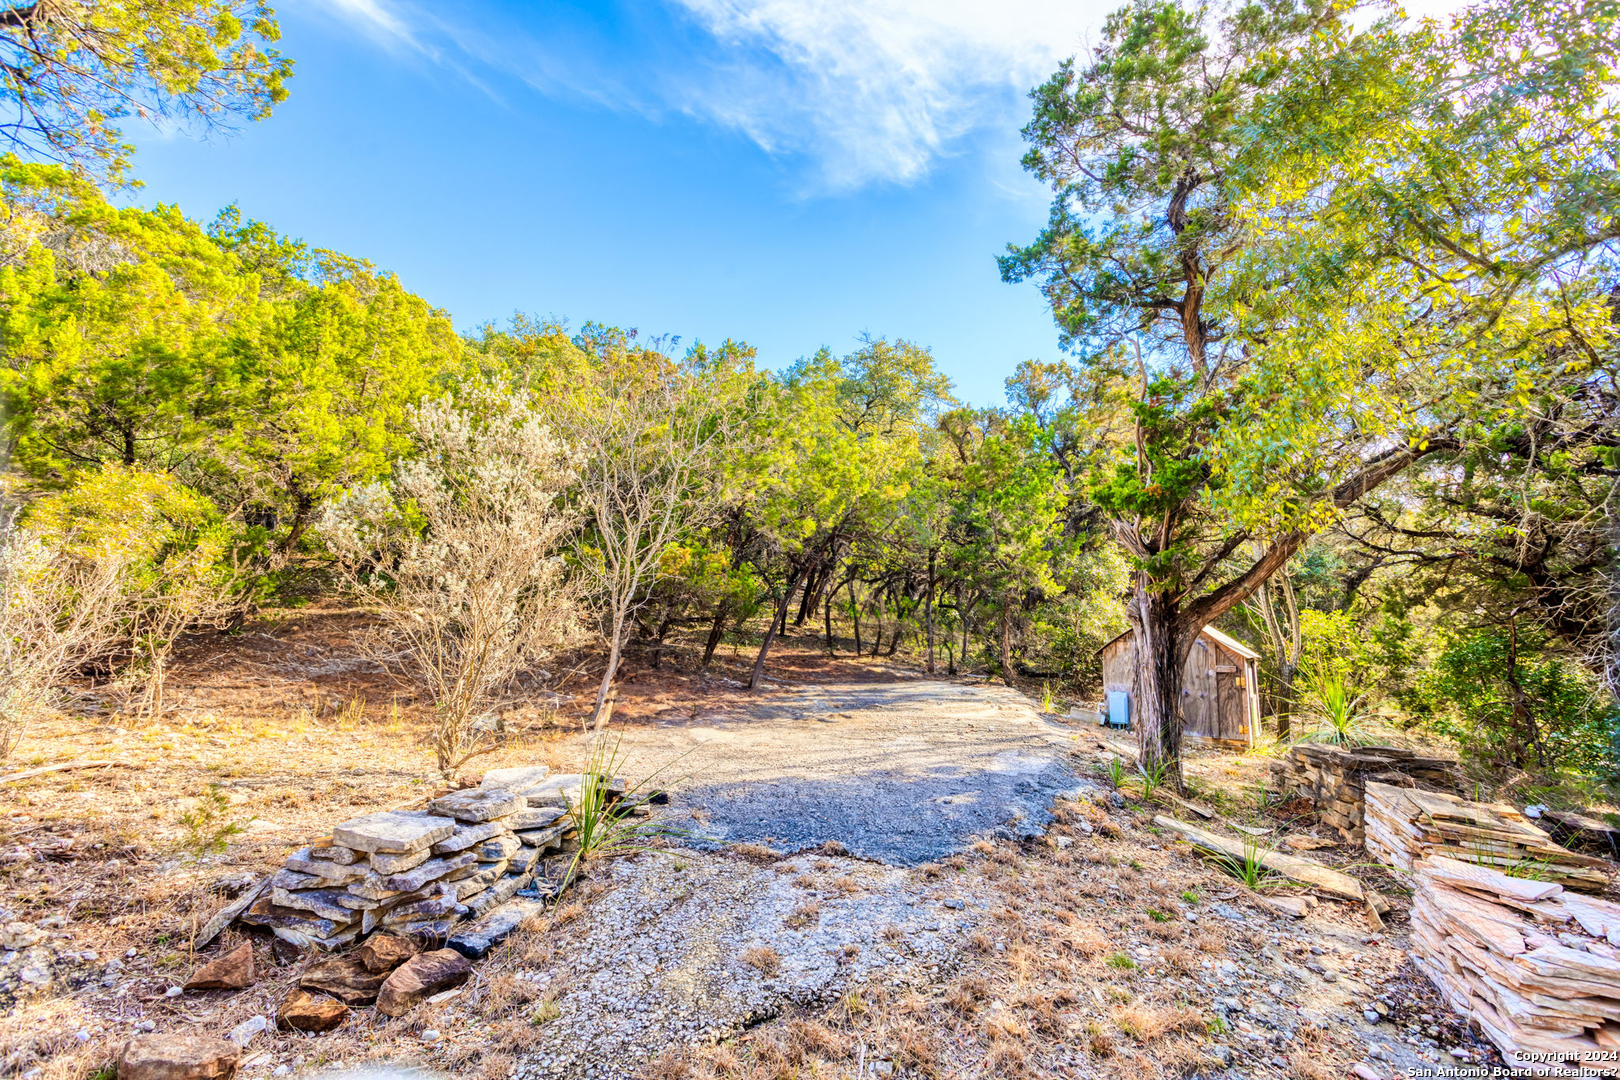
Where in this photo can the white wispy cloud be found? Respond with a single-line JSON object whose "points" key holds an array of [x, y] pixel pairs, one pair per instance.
{"points": [[875, 90], [862, 91], [380, 20]]}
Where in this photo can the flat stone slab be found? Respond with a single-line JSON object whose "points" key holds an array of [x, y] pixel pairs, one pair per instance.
{"points": [[330, 873], [384, 863], [466, 836], [535, 817], [478, 805], [475, 939], [392, 832], [514, 779], [418, 876]]}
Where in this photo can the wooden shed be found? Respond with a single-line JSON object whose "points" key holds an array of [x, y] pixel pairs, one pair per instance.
{"points": [[1220, 687]]}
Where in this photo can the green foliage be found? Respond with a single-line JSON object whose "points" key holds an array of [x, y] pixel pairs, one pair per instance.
{"points": [[207, 830], [71, 70], [1325, 695], [1249, 867], [606, 826], [1508, 708]]}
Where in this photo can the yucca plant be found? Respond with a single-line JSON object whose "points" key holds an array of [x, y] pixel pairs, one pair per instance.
{"points": [[1250, 867], [1115, 771], [1339, 713], [607, 827], [1152, 778]]}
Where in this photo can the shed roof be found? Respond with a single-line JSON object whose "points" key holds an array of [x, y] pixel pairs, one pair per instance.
{"points": [[1226, 641]]}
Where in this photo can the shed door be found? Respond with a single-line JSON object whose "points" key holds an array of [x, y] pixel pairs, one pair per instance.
{"points": [[1232, 710]]}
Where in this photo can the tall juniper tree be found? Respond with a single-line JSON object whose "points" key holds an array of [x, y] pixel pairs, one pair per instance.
{"points": [[1303, 309]]}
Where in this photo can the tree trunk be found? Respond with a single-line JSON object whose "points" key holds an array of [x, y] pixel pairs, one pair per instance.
{"points": [[1006, 641], [807, 601], [826, 620], [855, 615], [1156, 702], [877, 637], [963, 608], [928, 609], [894, 642], [717, 630], [779, 618], [599, 715]]}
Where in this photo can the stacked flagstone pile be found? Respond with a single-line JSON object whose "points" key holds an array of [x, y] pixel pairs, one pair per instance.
{"points": [[418, 873], [1334, 778], [1536, 966]]}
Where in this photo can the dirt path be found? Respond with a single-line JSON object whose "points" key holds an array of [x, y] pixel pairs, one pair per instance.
{"points": [[900, 772]]}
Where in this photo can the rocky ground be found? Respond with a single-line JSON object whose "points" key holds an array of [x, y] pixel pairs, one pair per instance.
{"points": [[869, 874]]}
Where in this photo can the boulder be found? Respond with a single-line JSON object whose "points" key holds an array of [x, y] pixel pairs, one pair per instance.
{"points": [[478, 805], [422, 976], [393, 832], [180, 1056], [346, 978], [304, 1011], [233, 971], [385, 952], [466, 836]]}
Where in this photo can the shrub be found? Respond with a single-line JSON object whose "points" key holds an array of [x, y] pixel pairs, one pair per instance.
{"points": [[1509, 704]]}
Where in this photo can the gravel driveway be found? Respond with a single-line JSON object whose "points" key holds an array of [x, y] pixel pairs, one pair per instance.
{"points": [[900, 772]]}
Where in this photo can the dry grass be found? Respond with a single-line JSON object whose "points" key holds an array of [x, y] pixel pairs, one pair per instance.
{"points": [[763, 959]]}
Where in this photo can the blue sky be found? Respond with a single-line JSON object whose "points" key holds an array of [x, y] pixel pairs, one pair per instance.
{"points": [[790, 173]]}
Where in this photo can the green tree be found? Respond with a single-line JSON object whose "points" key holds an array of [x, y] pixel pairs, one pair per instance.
{"points": [[72, 70], [1278, 221]]}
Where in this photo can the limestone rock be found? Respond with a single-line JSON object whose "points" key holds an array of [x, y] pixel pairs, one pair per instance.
{"points": [[343, 856], [475, 939], [478, 805], [498, 849], [385, 952], [393, 832], [419, 876], [330, 873], [499, 892], [547, 837], [514, 779], [248, 1030], [535, 817], [179, 1056], [445, 903], [384, 863], [323, 903], [304, 1011], [233, 971], [421, 976], [524, 859], [466, 836], [346, 978], [432, 933], [292, 879]]}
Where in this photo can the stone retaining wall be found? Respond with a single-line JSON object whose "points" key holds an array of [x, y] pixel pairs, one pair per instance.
{"points": [[1333, 779]]}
